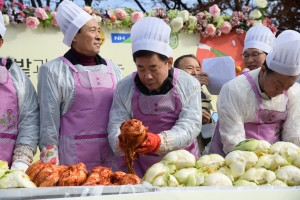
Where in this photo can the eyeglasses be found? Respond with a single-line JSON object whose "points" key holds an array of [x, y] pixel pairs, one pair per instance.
{"points": [[254, 56]]}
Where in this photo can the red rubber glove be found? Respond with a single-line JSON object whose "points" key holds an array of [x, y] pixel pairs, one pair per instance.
{"points": [[152, 144], [121, 144]]}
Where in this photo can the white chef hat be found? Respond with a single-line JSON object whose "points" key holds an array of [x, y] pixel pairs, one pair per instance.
{"points": [[70, 19], [285, 56], [291, 34], [259, 37], [2, 26], [152, 34]]}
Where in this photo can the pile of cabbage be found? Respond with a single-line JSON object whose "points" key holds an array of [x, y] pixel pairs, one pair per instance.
{"points": [[13, 178], [251, 163]]}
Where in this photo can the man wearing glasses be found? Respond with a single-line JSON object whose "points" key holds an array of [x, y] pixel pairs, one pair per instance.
{"points": [[75, 92], [258, 43], [263, 103]]}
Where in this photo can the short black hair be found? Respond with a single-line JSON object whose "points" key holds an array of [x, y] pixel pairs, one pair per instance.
{"points": [[0, 36], [142, 53], [9, 62], [268, 70], [177, 61]]}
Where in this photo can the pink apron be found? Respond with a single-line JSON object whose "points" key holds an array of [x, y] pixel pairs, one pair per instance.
{"points": [[8, 115], [83, 129], [159, 113], [268, 124]]}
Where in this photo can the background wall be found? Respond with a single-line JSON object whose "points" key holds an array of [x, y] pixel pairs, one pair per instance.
{"points": [[32, 48]]}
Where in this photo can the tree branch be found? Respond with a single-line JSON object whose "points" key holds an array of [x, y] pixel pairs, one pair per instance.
{"points": [[140, 5], [88, 2], [39, 2], [33, 4], [166, 4], [183, 5]]}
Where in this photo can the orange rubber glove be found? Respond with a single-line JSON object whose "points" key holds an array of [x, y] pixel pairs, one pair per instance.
{"points": [[152, 144]]}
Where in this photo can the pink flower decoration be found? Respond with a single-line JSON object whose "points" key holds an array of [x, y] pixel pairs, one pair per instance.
{"points": [[215, 11], [204, 34], [161, 13], [200, 15], [207, 15], [40, 13], [204, 23], [218, 33], [22, 14], [87, 9], [167, 20], [226, 27], [135, 16], [267, 22], [239, 31], [47, 8], [246, 9], [22, 6], [53, 21], [32, 22], [210, 29], [120, 13], [273, 29], [235, 14], [250, 22]]}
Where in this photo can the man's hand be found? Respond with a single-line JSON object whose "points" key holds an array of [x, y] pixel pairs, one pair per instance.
{"points": [[19, 165], [205, 117], [152, 144], [50, 154], [202, 78]]}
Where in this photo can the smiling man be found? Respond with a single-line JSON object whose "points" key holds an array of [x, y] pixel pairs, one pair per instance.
{"points": [[264, 103], [258, 43], [75, 92], [165, 99]]}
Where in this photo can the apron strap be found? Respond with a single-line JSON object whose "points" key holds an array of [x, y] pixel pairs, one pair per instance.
{"points": [[254, 88], [108, 66], [68, 63], [4, 61], [175, 77], [175, 80], [110, 72]]}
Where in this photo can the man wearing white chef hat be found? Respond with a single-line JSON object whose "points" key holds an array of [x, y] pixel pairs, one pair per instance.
{"points": [[75, 94], [19, 113], [258, 43], [264, 103], [165, 99]]}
